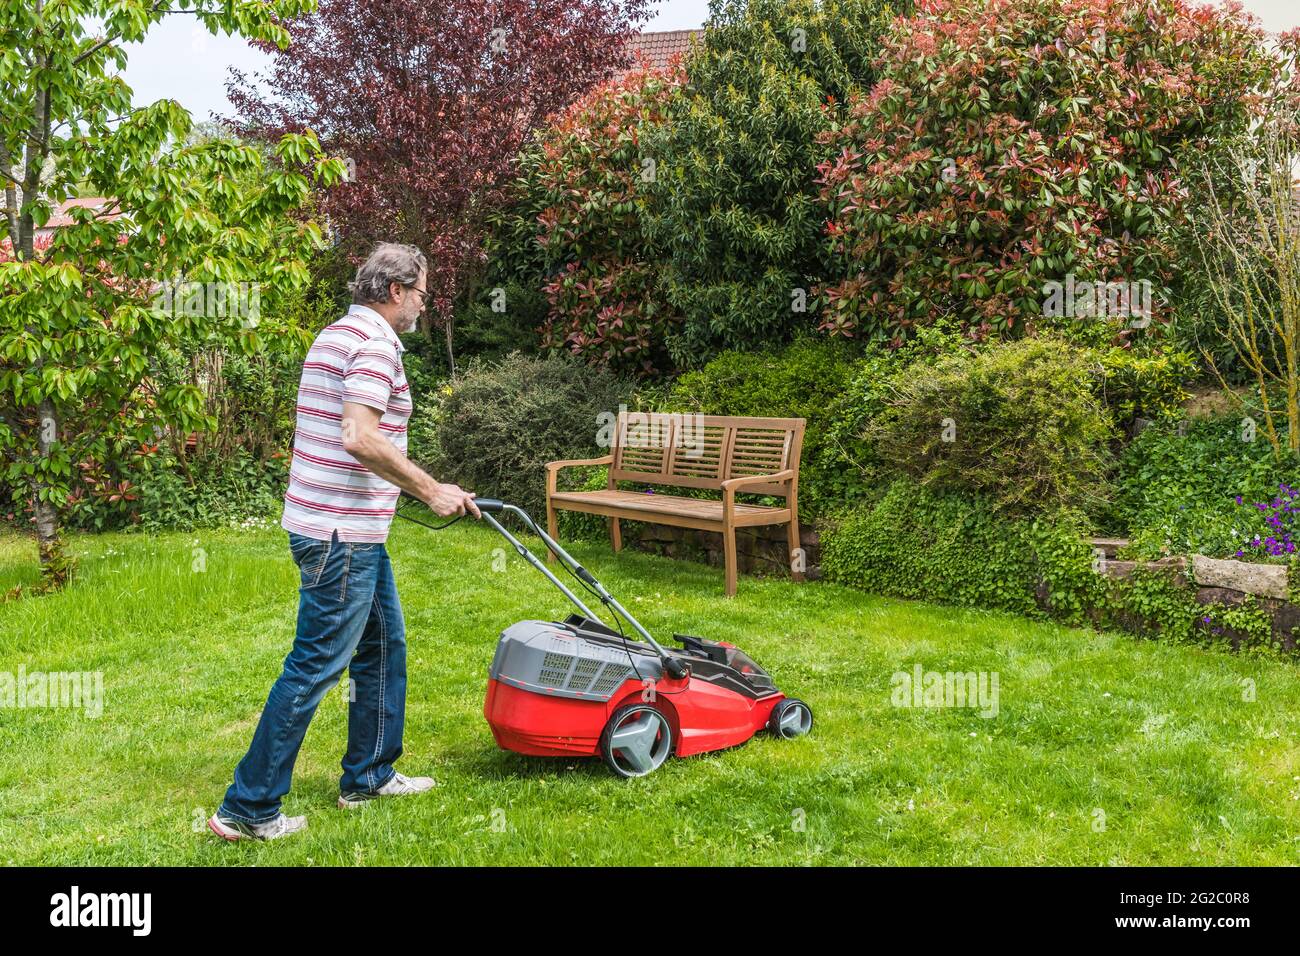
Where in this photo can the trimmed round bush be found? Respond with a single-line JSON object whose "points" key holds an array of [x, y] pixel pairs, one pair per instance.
{"points": [[1020, 425], [500, 423]]}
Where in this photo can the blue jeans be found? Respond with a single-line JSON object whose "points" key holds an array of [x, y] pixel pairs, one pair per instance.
{"points": [[348, 618]]}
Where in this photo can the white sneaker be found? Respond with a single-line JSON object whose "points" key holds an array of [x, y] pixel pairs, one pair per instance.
{"points": [[397, 786], [230, 829]]}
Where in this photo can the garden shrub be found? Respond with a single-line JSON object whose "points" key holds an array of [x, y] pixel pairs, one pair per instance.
{"points": [[1196, 327], [1149, 383], [500, 422], [498, 316], [250, 398], [843, 391], [220, 490], [845, 467], [1176, 487], [233, 469], [733, 205], [1012, 143], [849, 468], [504, 311], [229, 490], [104, 491], [1019, 424], [797, 381], [954, 549], [428, 382], [915, 543]]}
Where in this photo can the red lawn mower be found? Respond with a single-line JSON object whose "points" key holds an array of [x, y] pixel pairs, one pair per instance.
{"points": [[578, 687]]}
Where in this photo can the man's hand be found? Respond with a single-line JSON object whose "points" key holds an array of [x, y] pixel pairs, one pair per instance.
{"points": [[448, 500], [363, 441]]}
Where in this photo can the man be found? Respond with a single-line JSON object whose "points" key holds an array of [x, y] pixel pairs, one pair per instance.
{"points": [[349, 462]]}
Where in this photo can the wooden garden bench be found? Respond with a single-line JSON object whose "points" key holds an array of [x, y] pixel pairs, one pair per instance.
{"points": [[727, 454]]}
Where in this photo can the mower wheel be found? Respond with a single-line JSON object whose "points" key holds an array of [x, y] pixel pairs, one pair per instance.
{"points": [[636, 741], [790, 718]]}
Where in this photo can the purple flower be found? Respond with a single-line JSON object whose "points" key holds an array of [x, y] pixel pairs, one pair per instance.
{"points": [[1277, 516]]}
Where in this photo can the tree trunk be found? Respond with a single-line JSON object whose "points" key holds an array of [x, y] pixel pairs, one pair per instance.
{"points": [[55, 567], [451, 356], [38, 149], [11, 193]]}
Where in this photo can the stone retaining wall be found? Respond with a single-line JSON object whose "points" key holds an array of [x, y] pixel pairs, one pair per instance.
{"points": [[1219, 581], [760, 550]]}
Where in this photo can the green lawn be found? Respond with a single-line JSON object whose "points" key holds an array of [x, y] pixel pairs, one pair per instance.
{"points": [[1157, 738]]}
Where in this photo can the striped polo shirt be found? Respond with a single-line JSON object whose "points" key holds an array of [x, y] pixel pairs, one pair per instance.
{"points": [[357, 359]]}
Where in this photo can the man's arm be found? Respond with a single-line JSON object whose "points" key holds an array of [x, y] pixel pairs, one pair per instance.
{"points": [[364, 442]]}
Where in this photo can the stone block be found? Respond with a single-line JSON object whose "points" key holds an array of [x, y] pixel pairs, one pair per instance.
{"points": [[1266, 580]]}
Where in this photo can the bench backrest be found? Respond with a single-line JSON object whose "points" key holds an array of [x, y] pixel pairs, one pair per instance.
{"points": [[703, 451]]}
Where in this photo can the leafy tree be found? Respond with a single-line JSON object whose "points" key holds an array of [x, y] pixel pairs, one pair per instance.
{"points": [[733, 203], [1013, 143], [85, 315], [568, 264], [431, 101], [586, 177]]}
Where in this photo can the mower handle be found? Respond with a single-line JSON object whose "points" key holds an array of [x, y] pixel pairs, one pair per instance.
{"points": [[672, 665], [489, 506], [492, 505]]}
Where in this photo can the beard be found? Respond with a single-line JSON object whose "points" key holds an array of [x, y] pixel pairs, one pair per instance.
{"points": [[410, 324]]}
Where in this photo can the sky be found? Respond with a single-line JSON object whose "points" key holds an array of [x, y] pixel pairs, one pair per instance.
{"points": [[186, 63]]}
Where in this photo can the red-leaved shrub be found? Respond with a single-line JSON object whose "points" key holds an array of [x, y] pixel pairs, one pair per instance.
{"points": [[1013, 143], [605, 303]]}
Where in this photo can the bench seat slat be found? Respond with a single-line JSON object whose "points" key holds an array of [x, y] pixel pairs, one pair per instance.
{"points": [[635, 502]]}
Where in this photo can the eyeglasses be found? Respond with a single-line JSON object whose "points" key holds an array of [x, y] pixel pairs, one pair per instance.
{"points": [[424, 296]]}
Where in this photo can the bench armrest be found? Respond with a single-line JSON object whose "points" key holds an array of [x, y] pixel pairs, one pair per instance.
{"points": [[732, 484], [557, 465], [553, 470]]}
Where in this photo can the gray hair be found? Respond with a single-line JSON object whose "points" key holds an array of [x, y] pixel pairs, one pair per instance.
{"points": [[390, 262]]}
